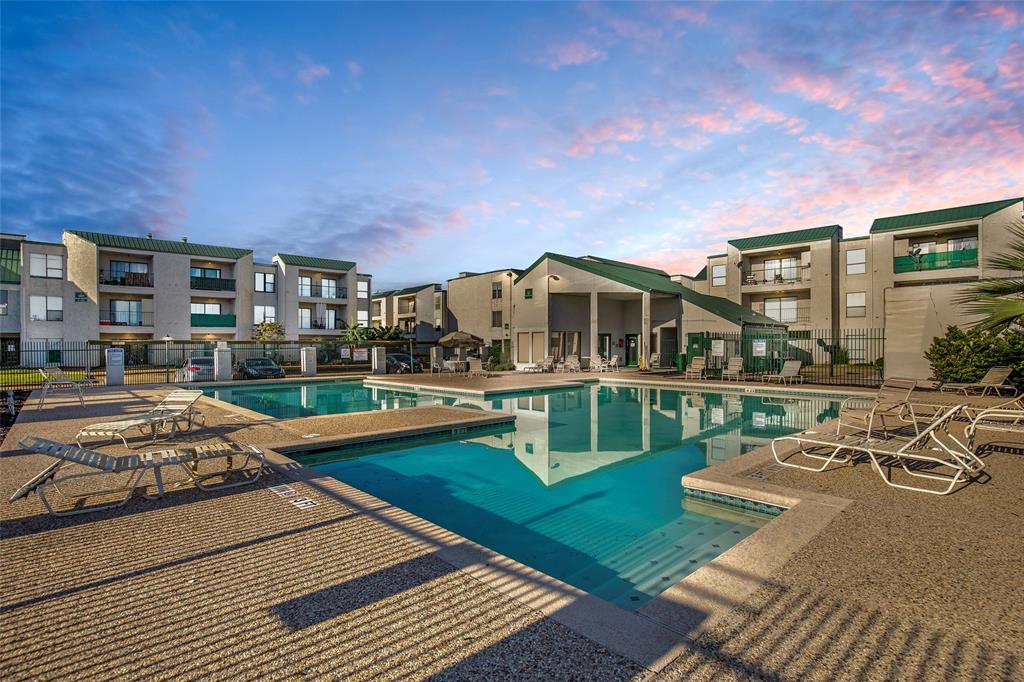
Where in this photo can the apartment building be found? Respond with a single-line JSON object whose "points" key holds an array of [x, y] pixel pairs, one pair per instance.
{"points": [[98, 286], [420, 310], [481, 303]]}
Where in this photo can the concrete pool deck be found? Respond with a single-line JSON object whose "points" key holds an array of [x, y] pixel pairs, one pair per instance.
{"points": [[357, 588]]}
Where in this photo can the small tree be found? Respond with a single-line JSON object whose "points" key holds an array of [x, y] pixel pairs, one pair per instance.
{"points": [[963, 356], [268, 331]]}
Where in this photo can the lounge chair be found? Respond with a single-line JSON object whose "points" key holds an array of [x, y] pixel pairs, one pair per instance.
{"points": [[734, 369], [54, 379], [995, 380], [655, 361], [598, 364], [135, 468], [696, 368], [177, 406], [612, 365], [1008, 417], [892, 402], [547, 364], [572, 364], [934, 446], [476, 368], [790, 373]]}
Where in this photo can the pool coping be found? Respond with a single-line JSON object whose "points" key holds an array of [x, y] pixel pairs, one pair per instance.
{"points": [[480, 394]]}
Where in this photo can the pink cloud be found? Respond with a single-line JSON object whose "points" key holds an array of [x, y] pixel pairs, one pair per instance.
{"points": [[691, 13], [714, 122], [816, 88], [842, 145], [953, 74], [1007, 15], [546, 162], [573, 53], [596, 191], [871, 110], [355, 69], [685, 261], [312, 72], [455, 219], [1011, 67], [605, 134]]}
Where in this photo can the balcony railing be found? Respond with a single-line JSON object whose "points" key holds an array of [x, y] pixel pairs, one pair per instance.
{"points": [[210, 320], [126, 318], [785, 275], [126, 279], [942, 260], [213, 283], [323, 324], [321, 291], [798, 316]]}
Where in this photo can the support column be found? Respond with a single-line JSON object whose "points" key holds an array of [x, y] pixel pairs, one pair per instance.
{"points": [[645, 330], [593, 327], [680, 341]]}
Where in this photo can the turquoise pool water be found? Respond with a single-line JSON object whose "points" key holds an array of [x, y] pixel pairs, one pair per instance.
{"points": [[586, 487], [298, 399]]}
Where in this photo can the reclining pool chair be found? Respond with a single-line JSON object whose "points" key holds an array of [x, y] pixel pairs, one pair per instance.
{"points": [[177, 406], [995, 380], [135, 467]]}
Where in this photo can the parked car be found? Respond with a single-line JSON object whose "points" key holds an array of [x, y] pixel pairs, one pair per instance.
{"points": [[401, 363], [196, 368], [259, 368]]}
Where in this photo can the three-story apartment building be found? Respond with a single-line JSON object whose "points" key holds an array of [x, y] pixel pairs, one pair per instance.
{"points": [[420, 310]]}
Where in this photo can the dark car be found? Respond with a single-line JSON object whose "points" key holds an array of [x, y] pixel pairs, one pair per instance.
{"points": [[401, 363], [259, 368]]}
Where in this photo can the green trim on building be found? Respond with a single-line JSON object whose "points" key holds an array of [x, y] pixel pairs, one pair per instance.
{"points": [[211, 320], [939, 216], [314, 263], [811, 234], [10, 266], [517, 272], [120, 241], [702, 275], [642, 268], [404, 292]]}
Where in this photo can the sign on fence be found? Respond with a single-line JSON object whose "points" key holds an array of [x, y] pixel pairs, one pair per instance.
{"points": [[345, 353], [361, 355], [718, 347], [760, 348]]}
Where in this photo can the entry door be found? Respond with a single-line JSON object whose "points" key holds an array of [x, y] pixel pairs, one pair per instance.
{"points": [[604, 345], [632, 349]]}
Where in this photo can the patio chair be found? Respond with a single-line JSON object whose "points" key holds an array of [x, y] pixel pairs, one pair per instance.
{"points": [[734, 369], [572, 364], [177, 406], [934, 447], [476, 368], [696, 368], [790, 373], [597, 363], [547, 364], [1007, 417], [995, 380], [613, 364], [135, 467], [54, 379], [655, 361], [892, 402]]}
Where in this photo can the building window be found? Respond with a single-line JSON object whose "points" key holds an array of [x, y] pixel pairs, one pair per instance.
{"points": [[329, 288], [48, 308], [856, 304], [528, 293], [46, 265], [305, 318], [120, 268], [265, 282], [208, 273], [855, 261], [363, 318], [10, 266], [962, 244], [495, 318], [126, 312], [3, 302], [782, 309], [495, 289], [717, 275], [264, 313], [305, 286], [776, 270], [363, 289], [206, 308], [923, 247]]}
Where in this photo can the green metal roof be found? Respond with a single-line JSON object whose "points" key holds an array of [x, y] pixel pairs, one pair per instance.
{"points": [[314, 263], [404, 292], [647, 279], [702, 275], [120, 241], [811, 234], [517, 272], [609, 261], [942, 215]]}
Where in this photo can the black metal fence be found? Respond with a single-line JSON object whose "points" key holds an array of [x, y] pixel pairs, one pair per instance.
{"points": [[851, 357], [154, 362]]}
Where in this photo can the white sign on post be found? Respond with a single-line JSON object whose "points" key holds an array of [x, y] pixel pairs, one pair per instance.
{"points": [[717, 348], [760, 348], [346, 353]]}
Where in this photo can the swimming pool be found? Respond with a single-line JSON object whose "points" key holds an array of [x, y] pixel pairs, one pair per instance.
{"points": [[586, 486], [308, 399]]}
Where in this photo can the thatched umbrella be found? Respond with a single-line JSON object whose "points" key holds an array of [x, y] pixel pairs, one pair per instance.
{"points": [[460, 339]]}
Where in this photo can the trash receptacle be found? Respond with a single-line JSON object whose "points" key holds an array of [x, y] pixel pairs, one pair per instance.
{"points": [[681, 361]]}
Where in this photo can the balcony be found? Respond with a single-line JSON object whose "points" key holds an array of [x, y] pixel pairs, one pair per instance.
{"points": [[942, 260], [209, 320], [212, 284], [125, 318], [776, 276], [120, 278], [321, 291], [800, 315], [324, 324]]}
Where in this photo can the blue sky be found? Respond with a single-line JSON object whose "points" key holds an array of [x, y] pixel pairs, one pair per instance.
{"points": [[425, 139]]}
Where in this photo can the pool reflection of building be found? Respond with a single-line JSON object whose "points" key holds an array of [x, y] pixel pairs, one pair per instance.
{"points": [[571, 433]]}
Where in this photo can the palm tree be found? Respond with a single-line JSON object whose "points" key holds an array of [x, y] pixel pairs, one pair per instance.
{"points": [[1000, 300]]}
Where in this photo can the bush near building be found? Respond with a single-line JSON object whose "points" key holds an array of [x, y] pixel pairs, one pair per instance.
{"points": [[963, 356]]}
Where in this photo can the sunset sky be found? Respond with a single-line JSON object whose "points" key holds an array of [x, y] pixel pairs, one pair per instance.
{"points": [[426, 139]]}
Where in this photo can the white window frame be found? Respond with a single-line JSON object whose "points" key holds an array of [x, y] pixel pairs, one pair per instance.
{"points": [[781, 308], [40, 308], [305, 318], [264, 313], [205, 308], [860, 309], [48, 265], [362, 289], [305, 286], [856, 267], [363, 318], [718, 275]]}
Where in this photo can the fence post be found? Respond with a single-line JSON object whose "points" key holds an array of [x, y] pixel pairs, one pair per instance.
{"points": [[307, 361], [222, 363]]}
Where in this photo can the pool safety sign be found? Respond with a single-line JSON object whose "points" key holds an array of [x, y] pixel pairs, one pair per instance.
{"points": [[760, 347], [361, 355], [718, 348]]}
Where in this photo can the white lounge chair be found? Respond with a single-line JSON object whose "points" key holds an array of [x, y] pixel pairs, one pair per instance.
{"points": [[934, 446], [572, 364], [613, 364], [135, 467], [476, 368], [54, 379], [696, 368], [655, 361], [891, 403], [995, 380], [790, 373], [1008, 418], [734, 369], [177, 406], [547, 364]]}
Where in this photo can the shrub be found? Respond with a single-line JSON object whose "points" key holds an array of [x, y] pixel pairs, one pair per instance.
{"points": [[963, 356]]}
